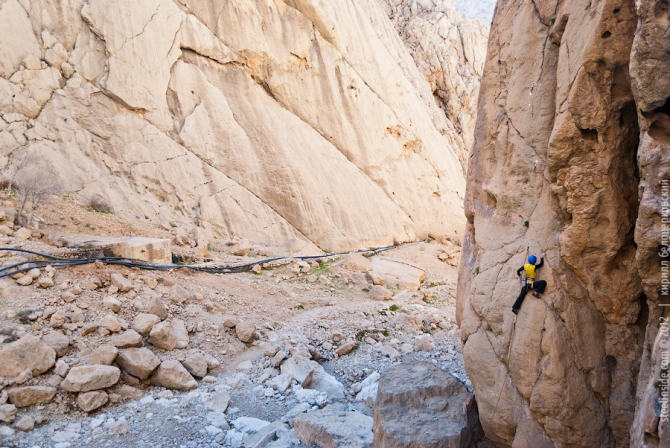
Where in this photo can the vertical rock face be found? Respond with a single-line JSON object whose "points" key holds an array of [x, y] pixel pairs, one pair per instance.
{"points": [[651, 86], [570, 155], [449, 50], [266, 120]]}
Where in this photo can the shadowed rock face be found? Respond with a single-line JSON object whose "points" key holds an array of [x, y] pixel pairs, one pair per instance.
{"points": [[265, 120], [570, 151]]}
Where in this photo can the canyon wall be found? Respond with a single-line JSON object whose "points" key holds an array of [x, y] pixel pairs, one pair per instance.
{"points": [[449, 50], [268, 120], [571, 151]]}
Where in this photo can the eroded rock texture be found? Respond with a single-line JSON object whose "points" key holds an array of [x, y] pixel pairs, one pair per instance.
{"points": [[449, 50], [265, 120], [570, 151]]}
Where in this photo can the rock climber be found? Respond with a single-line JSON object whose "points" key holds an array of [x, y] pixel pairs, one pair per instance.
{"points": [[529, 284]]}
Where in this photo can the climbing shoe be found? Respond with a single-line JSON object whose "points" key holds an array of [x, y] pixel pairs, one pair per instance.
{"points": [[515, 310], [536, 294]]}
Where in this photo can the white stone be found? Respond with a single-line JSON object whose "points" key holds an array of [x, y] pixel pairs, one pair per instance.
{"points": [[249, 424]]}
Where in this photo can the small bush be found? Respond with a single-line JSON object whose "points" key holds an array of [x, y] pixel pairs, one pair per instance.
{"points": [[8, 335], [36, 181], [97, 204], [23, 315]]}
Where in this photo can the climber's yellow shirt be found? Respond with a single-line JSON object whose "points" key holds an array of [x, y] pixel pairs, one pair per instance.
{"points": [[529, 269]]}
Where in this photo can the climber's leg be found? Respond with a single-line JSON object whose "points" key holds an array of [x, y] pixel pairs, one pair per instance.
{"points": [[539, 287], [519, 301]]}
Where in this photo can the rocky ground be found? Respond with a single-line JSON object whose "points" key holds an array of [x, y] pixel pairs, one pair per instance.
{"points": [[113, 356]]}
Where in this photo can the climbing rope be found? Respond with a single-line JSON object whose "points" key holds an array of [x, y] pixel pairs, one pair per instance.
{"points": [[509, 349]]}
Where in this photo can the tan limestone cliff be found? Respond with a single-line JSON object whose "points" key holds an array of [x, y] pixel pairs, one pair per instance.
{"points": [[571, 148], [449, 50], [264, 120]]}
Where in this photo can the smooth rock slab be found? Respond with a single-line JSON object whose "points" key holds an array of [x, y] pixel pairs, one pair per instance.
{"points": [[29, 352], [334, 426], [87, 378], [139, 362], [30, 395], [398, 273], [172, 375], [421, 406]]}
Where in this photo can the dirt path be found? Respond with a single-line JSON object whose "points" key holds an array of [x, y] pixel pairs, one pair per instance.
{"points": [[291, 312]]}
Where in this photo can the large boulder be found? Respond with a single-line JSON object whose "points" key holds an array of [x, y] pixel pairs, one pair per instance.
{"points": [[335, 426], [30, 395], [138, 362], [29, 352], [196, 364], [369, 388], [420, 406], [169, 334], [172, 375], [325, 382], [299, 368], [356, 262], [398, 273], [92, 377], [245, 331]]}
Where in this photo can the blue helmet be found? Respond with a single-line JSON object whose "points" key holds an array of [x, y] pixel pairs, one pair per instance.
{"points": [[532, 259]]}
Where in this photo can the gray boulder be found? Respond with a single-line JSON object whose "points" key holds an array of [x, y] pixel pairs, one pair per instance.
{"points": [[420, 406]]}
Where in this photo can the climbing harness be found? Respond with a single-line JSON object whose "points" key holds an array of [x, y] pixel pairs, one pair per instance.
{"points": [[526, 282]]}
